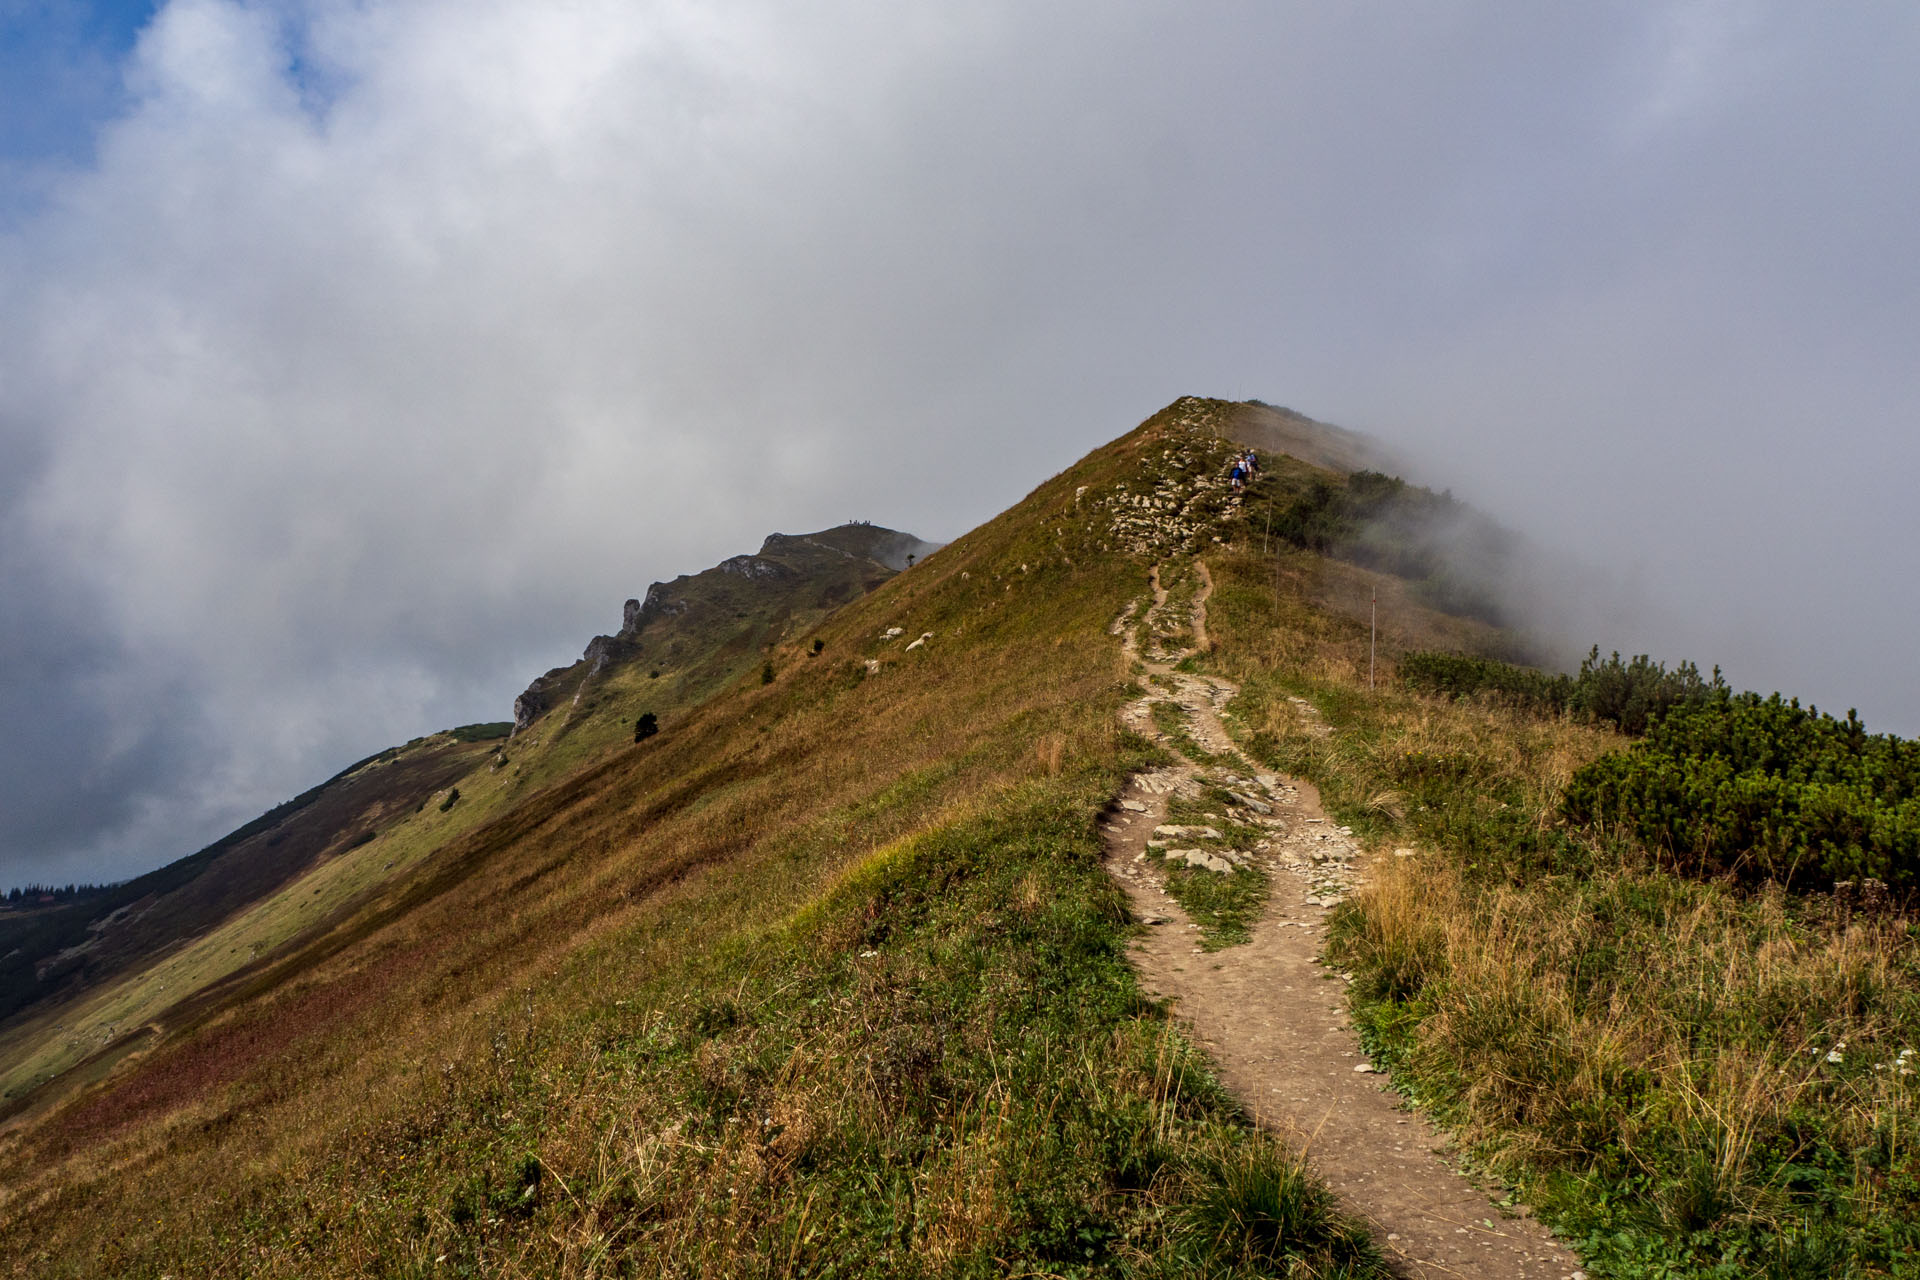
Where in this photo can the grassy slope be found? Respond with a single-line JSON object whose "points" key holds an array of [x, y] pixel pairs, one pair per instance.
{"points": [[825, 979], [1647, 1057], [375, 823], [187, 925]]}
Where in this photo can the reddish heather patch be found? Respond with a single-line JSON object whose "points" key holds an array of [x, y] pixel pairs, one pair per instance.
{"points": [[220, 1056]]}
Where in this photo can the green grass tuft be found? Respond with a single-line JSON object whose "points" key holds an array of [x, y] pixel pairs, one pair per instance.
{"points": [[1261, 1212]]}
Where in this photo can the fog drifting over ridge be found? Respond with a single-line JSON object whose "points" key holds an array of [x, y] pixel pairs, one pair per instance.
{"points": [[372, 353]]}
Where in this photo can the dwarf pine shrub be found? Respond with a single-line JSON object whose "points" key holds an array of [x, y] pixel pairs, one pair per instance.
{"points": [[1763, 789], [1629, 695]]}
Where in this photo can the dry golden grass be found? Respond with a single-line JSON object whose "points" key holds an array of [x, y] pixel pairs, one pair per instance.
{"points": [[1727, 1008]]}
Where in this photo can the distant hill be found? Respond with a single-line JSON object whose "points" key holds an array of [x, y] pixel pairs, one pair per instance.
{"points": [[83, 983], [54, 953]]}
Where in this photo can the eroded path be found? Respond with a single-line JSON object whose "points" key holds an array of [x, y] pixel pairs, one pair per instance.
{"points": [[1272, 1018]]}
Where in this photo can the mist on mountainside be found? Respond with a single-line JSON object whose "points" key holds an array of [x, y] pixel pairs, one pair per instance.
{"points": [[1554, 606], [1745, 529], [1478, 542], [1548, 608]]}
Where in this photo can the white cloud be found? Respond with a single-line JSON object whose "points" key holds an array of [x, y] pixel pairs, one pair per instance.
{"points": [[385, 347]]}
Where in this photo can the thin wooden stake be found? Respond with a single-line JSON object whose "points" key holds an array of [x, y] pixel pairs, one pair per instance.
{"points": [[1373, 630]]}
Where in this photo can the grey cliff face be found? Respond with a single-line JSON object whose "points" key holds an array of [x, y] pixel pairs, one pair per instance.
{"points": [[660, 603], [526, 708], [752, 567], [601, 651], [537, 698]]}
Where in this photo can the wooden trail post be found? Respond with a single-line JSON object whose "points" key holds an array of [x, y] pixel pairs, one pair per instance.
{"points": [[1373, 630]]}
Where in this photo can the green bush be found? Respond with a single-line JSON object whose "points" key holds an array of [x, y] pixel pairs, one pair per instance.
{"points": [[1631, 696], [1763, 789]]}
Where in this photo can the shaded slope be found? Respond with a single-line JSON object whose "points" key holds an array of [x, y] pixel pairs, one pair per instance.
{"points": [[53, 956]]}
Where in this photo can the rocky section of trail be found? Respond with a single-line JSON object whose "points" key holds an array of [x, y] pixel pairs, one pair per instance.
{"points": [[1267, 1010], [1177, 503]]}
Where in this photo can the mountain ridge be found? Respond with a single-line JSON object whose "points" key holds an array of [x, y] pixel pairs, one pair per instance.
{"points": [[833, 974]]}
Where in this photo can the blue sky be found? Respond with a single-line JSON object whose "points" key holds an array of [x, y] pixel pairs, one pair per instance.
{"points": [[60, 64]]}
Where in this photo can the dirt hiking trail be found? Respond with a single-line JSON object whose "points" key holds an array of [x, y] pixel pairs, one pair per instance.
{"points": [[1272, 1018]]}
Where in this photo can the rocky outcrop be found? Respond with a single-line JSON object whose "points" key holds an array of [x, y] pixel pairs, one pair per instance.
{"points": [[664, 600], [603, 651], [753, 567], [538, 696], [733, 609]]}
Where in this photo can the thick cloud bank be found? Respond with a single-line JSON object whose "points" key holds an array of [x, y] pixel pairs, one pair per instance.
{"points": [[361, 364]]}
